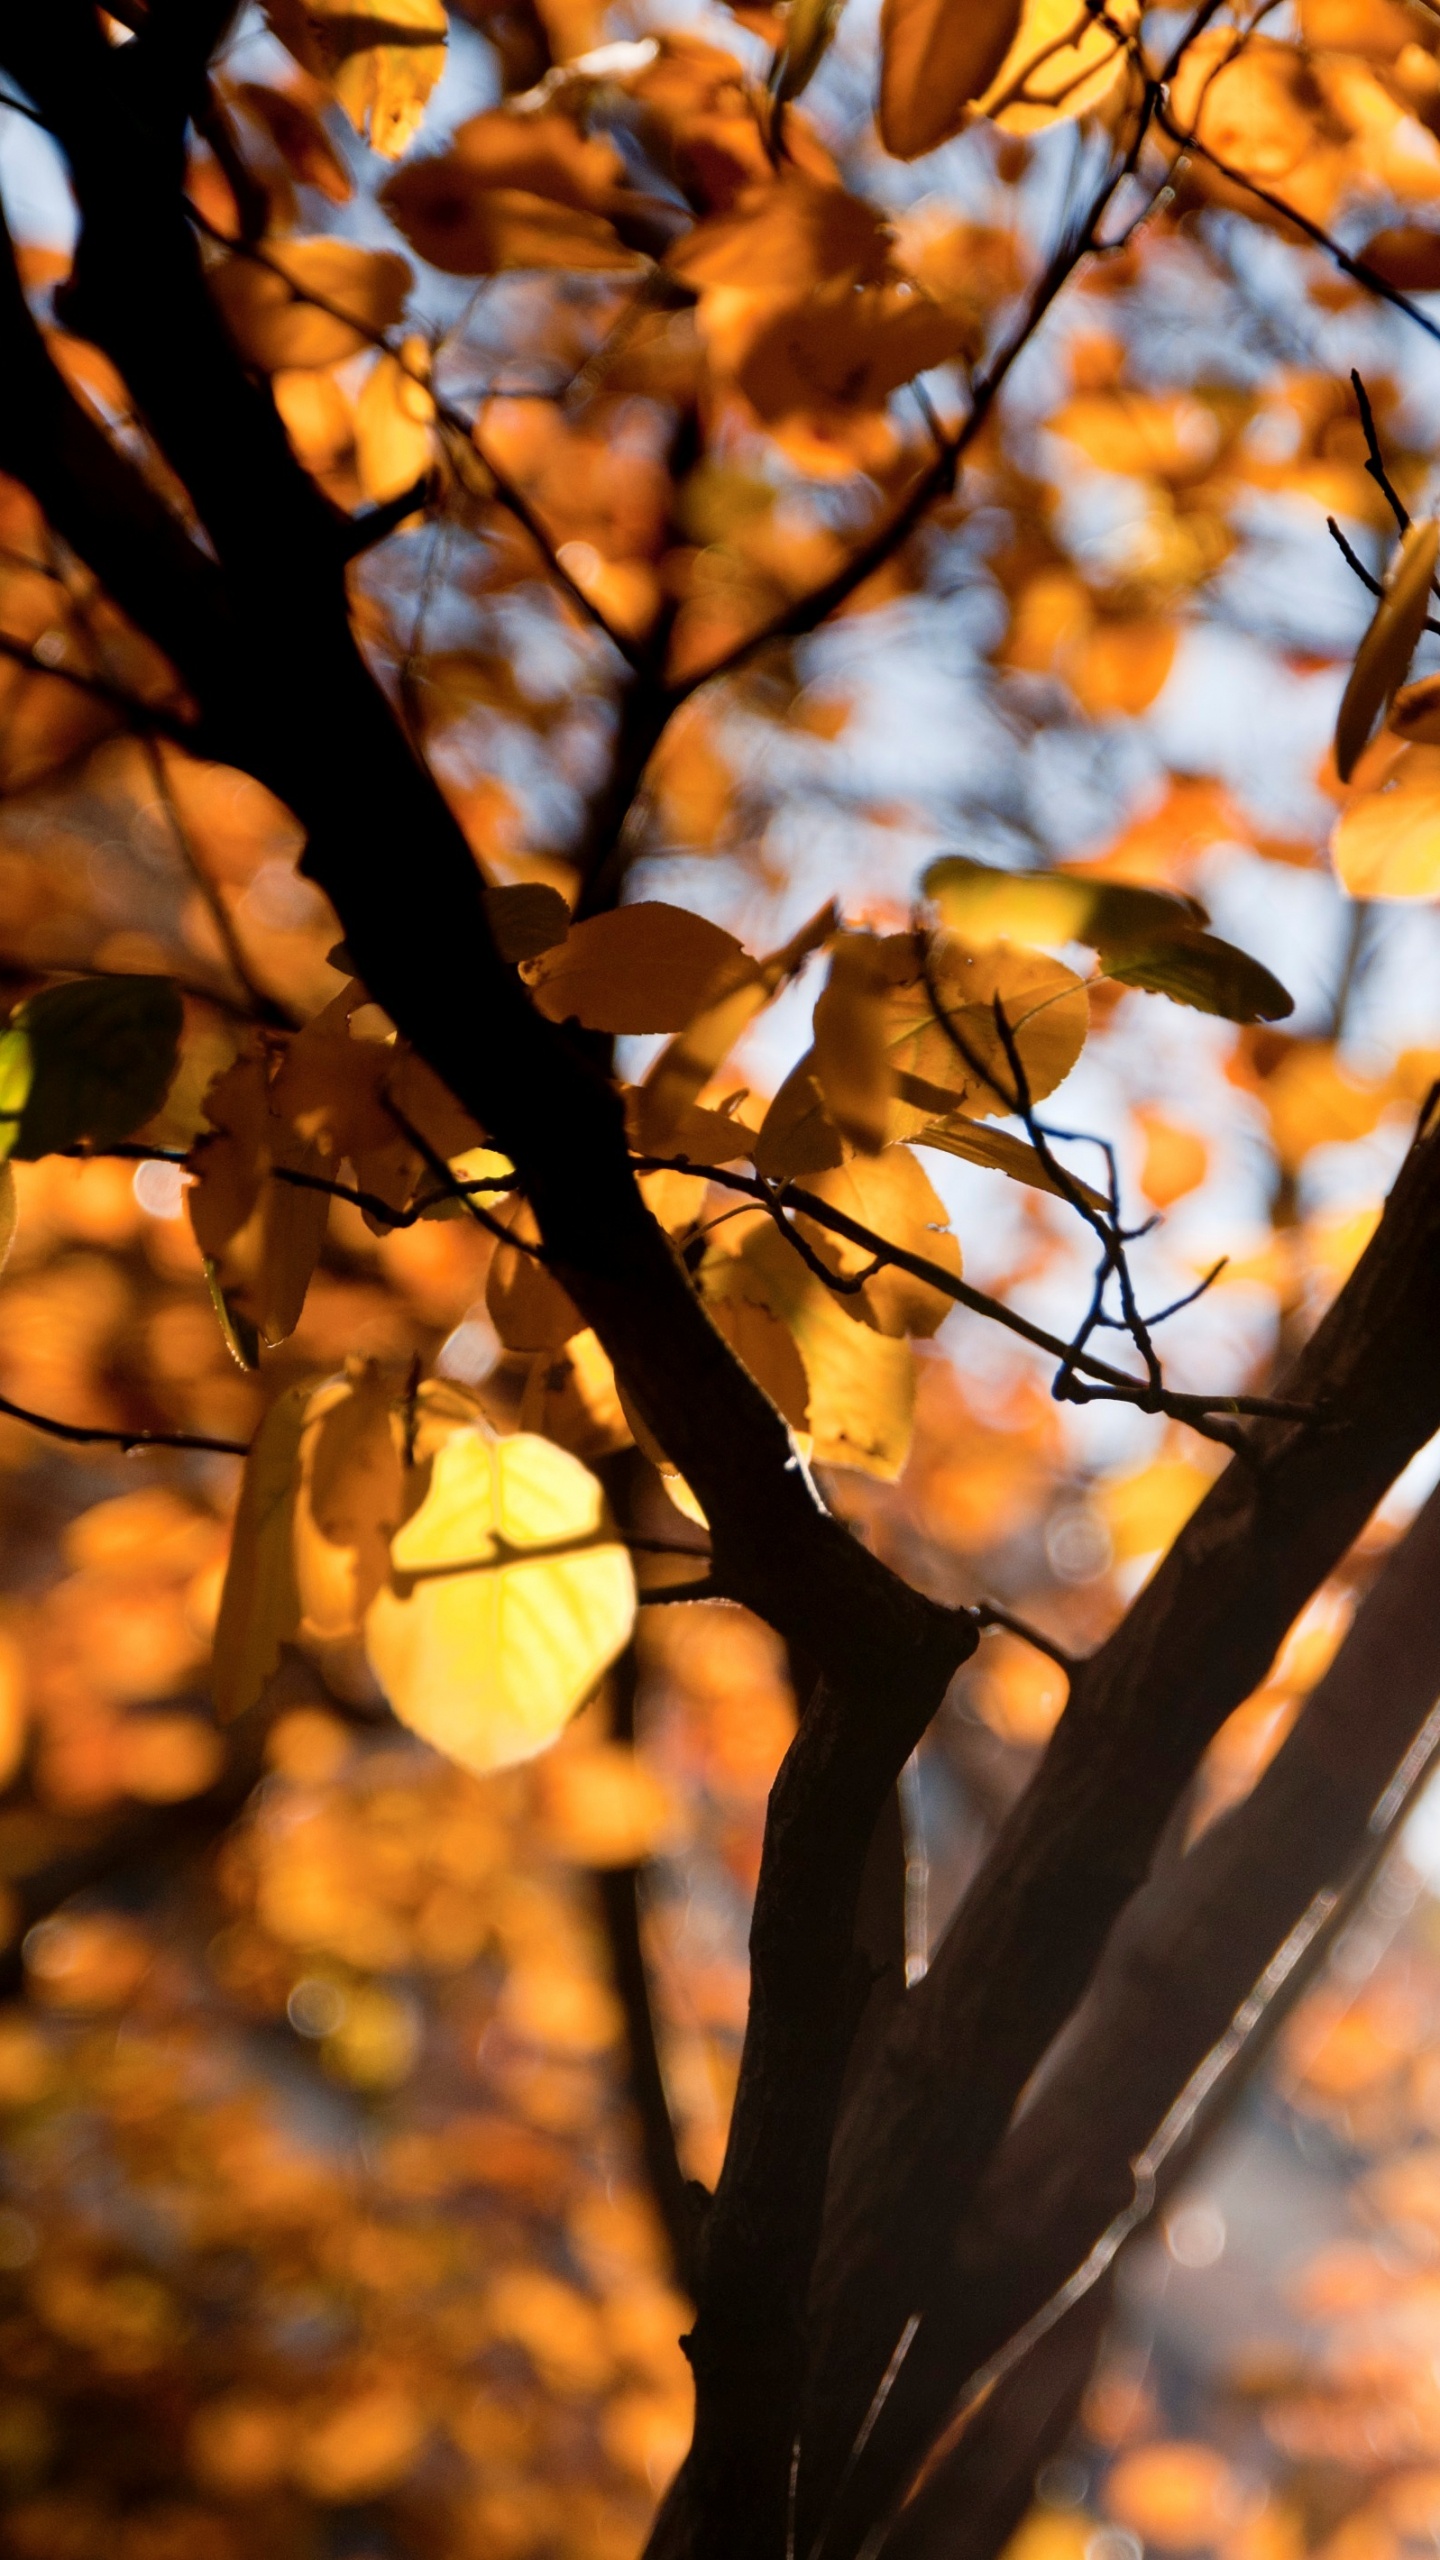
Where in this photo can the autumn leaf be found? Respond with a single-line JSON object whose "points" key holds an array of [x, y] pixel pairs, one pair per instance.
{"points": [[1064, 62], [666, 1101], [394, 426], [260, 1605], [528, 1308], [482, 230], [809, 28], [1386, 842], [1145, 937], [642, 968], [934, 60], [1389, 643], [381, 59], [985, 905], [507, 1600], [91, 1058], [851, 1062], [892, 1195], [300, 138], [963, 1060], [263, 1237], [526, 919], [264, 305], [975, 1143]]}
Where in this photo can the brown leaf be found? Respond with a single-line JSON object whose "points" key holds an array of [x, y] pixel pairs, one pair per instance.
{"points": [[641, 968], [1389, 644], [469, 228], [262, 1236], [935, 59], [299, 137], [682, 1071]]}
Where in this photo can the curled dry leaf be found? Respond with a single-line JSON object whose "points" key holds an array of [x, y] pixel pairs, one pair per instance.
{"points": [[1389, 644], [528, 1308], [273, 324], [260, 1604], [642, 968], [1386, 842], [349, 1501], [507, 1600], [934, 60]]}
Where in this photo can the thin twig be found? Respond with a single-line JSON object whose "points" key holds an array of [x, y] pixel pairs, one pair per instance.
{"points": [[988, 1614]]}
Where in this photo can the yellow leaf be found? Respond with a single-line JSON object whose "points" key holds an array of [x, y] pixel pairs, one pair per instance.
{"points": [[570, 1396], [528, 1308], [862, 1387], [1045, 1005], [507, 1600], [682, 1071], [757, 1337], [934, 59], [797, 1135], [861, 1382], [642, 968], [1175, 1162], [272, 323], [987, 905], [892, 1195], [394, 422], [851, 1063], [260, 1605], [1386, 843], [1064, 62], [995, 1148], [349, 1501], [1389, 644], [381, 58], [1313, 1102]]}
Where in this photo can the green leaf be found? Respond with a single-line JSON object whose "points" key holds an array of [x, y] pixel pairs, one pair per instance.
{"points": [[1199, 969], [92, 1058], [985, 904], [1145, 937]]}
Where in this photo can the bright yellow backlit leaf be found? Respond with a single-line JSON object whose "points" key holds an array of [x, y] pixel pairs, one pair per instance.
{"points": [[381, 58], [1386, 842], [508, 1601], [1063, 62]]}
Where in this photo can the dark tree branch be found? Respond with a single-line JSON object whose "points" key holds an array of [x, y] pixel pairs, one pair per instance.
{"points": [[1142, 1709], [1181, 1969], [306, 716]]}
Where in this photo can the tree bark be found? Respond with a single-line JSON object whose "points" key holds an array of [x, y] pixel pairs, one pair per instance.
{"points": [[1186, 1954]]}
